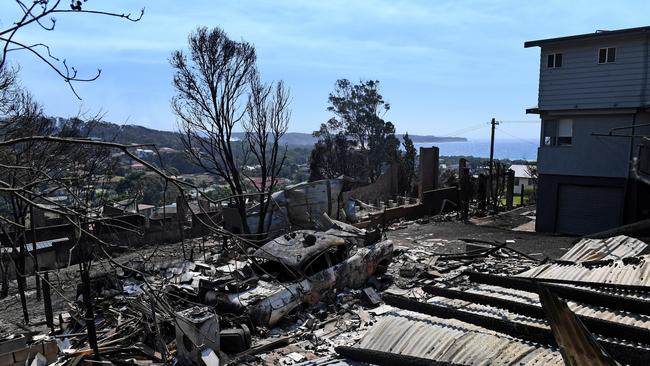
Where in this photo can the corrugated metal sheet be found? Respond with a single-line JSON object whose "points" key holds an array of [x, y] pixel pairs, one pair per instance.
{"points": [[618, 273], [306, 202], [441, 341], [328, 361], [530, 298], [488, 311], [617, 247]]}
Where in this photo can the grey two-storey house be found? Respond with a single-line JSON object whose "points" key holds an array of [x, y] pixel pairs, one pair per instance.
{"points": [[594, 100]]}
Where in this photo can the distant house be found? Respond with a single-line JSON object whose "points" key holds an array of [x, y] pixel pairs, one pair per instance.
{"points": [[167, 150], [143, 153], [594, 95], [522, 177], [126, 206], [137, 166]]}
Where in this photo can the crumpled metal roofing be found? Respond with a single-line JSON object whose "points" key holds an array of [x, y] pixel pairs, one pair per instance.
{"points": [[636, 273], [327, 361], [618, 316], [616, 247], [488, 311], [442, 341]]}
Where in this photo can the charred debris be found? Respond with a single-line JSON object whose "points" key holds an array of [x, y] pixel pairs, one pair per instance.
{"points": [[342, 292]]}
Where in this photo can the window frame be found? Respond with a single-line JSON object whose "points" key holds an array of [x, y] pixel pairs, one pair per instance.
{"points": [[553, 139], [554, 55], [608, 52]]}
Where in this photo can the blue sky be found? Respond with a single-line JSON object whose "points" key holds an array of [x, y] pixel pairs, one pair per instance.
{"points": [[444, 66]]}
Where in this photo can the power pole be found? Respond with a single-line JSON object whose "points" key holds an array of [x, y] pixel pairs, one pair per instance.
{"points": [[491, 180]]}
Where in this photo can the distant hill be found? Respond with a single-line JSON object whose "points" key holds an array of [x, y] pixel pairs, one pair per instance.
{"points": [[127, 134], [133, 134]]}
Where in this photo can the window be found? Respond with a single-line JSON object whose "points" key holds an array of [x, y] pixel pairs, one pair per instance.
{"points": [[558, 132], [607, 55], [554, 60], [326, 260]]}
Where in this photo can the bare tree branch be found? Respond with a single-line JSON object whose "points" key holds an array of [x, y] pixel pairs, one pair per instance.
{"points": [[36, 12]]}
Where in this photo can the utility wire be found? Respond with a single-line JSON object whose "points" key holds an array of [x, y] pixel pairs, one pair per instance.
{"points": [[467, 129], [462, 131], [536, 122], [517, 137]]}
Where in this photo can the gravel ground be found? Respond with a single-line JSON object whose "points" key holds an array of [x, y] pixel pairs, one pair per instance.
{"points": [[527, 242]]}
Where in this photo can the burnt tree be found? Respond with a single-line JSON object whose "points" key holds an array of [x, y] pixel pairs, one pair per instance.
{"points": [[217, 91]]}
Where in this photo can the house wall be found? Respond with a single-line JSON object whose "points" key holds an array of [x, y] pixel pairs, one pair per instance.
{"points": [[582, 83], [525, 181], [597, 161], [589, 155], [384, 188], [440, 200]]}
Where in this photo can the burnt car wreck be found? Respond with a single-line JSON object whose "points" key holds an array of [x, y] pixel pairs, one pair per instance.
{"points": [[295, 270]]}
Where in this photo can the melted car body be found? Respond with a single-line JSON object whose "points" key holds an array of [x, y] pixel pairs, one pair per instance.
{"points": [[318, 261]]}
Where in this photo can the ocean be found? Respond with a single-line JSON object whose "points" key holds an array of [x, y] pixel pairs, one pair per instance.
{"points": [[503, 148]]}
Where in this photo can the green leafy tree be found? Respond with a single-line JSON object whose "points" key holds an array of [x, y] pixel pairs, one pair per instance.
{"points": [[357, 141], [408, 164]]}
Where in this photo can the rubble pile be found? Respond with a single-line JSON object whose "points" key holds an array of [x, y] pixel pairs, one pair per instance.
{"points": [[339, 295], [223, 308], [589, 304]]}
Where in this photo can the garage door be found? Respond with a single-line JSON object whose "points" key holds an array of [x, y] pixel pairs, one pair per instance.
{"points": [[586, 210]]}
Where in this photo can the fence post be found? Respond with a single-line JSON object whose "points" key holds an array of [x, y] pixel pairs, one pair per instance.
{"points": [[510, 188], [482, 192], [464, 187]]}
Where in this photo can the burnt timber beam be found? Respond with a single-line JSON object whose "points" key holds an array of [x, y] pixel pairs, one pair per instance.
{"points": [[617, 302], [381, 358], [624, 353], [599, 326]]}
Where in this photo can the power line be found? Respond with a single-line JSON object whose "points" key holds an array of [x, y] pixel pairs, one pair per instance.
{"points": [[517, 137], [472, 128], [467, 129], [536, 122]]}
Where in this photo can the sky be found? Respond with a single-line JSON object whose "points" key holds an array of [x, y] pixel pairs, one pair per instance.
{"points": [[446, 67]]}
